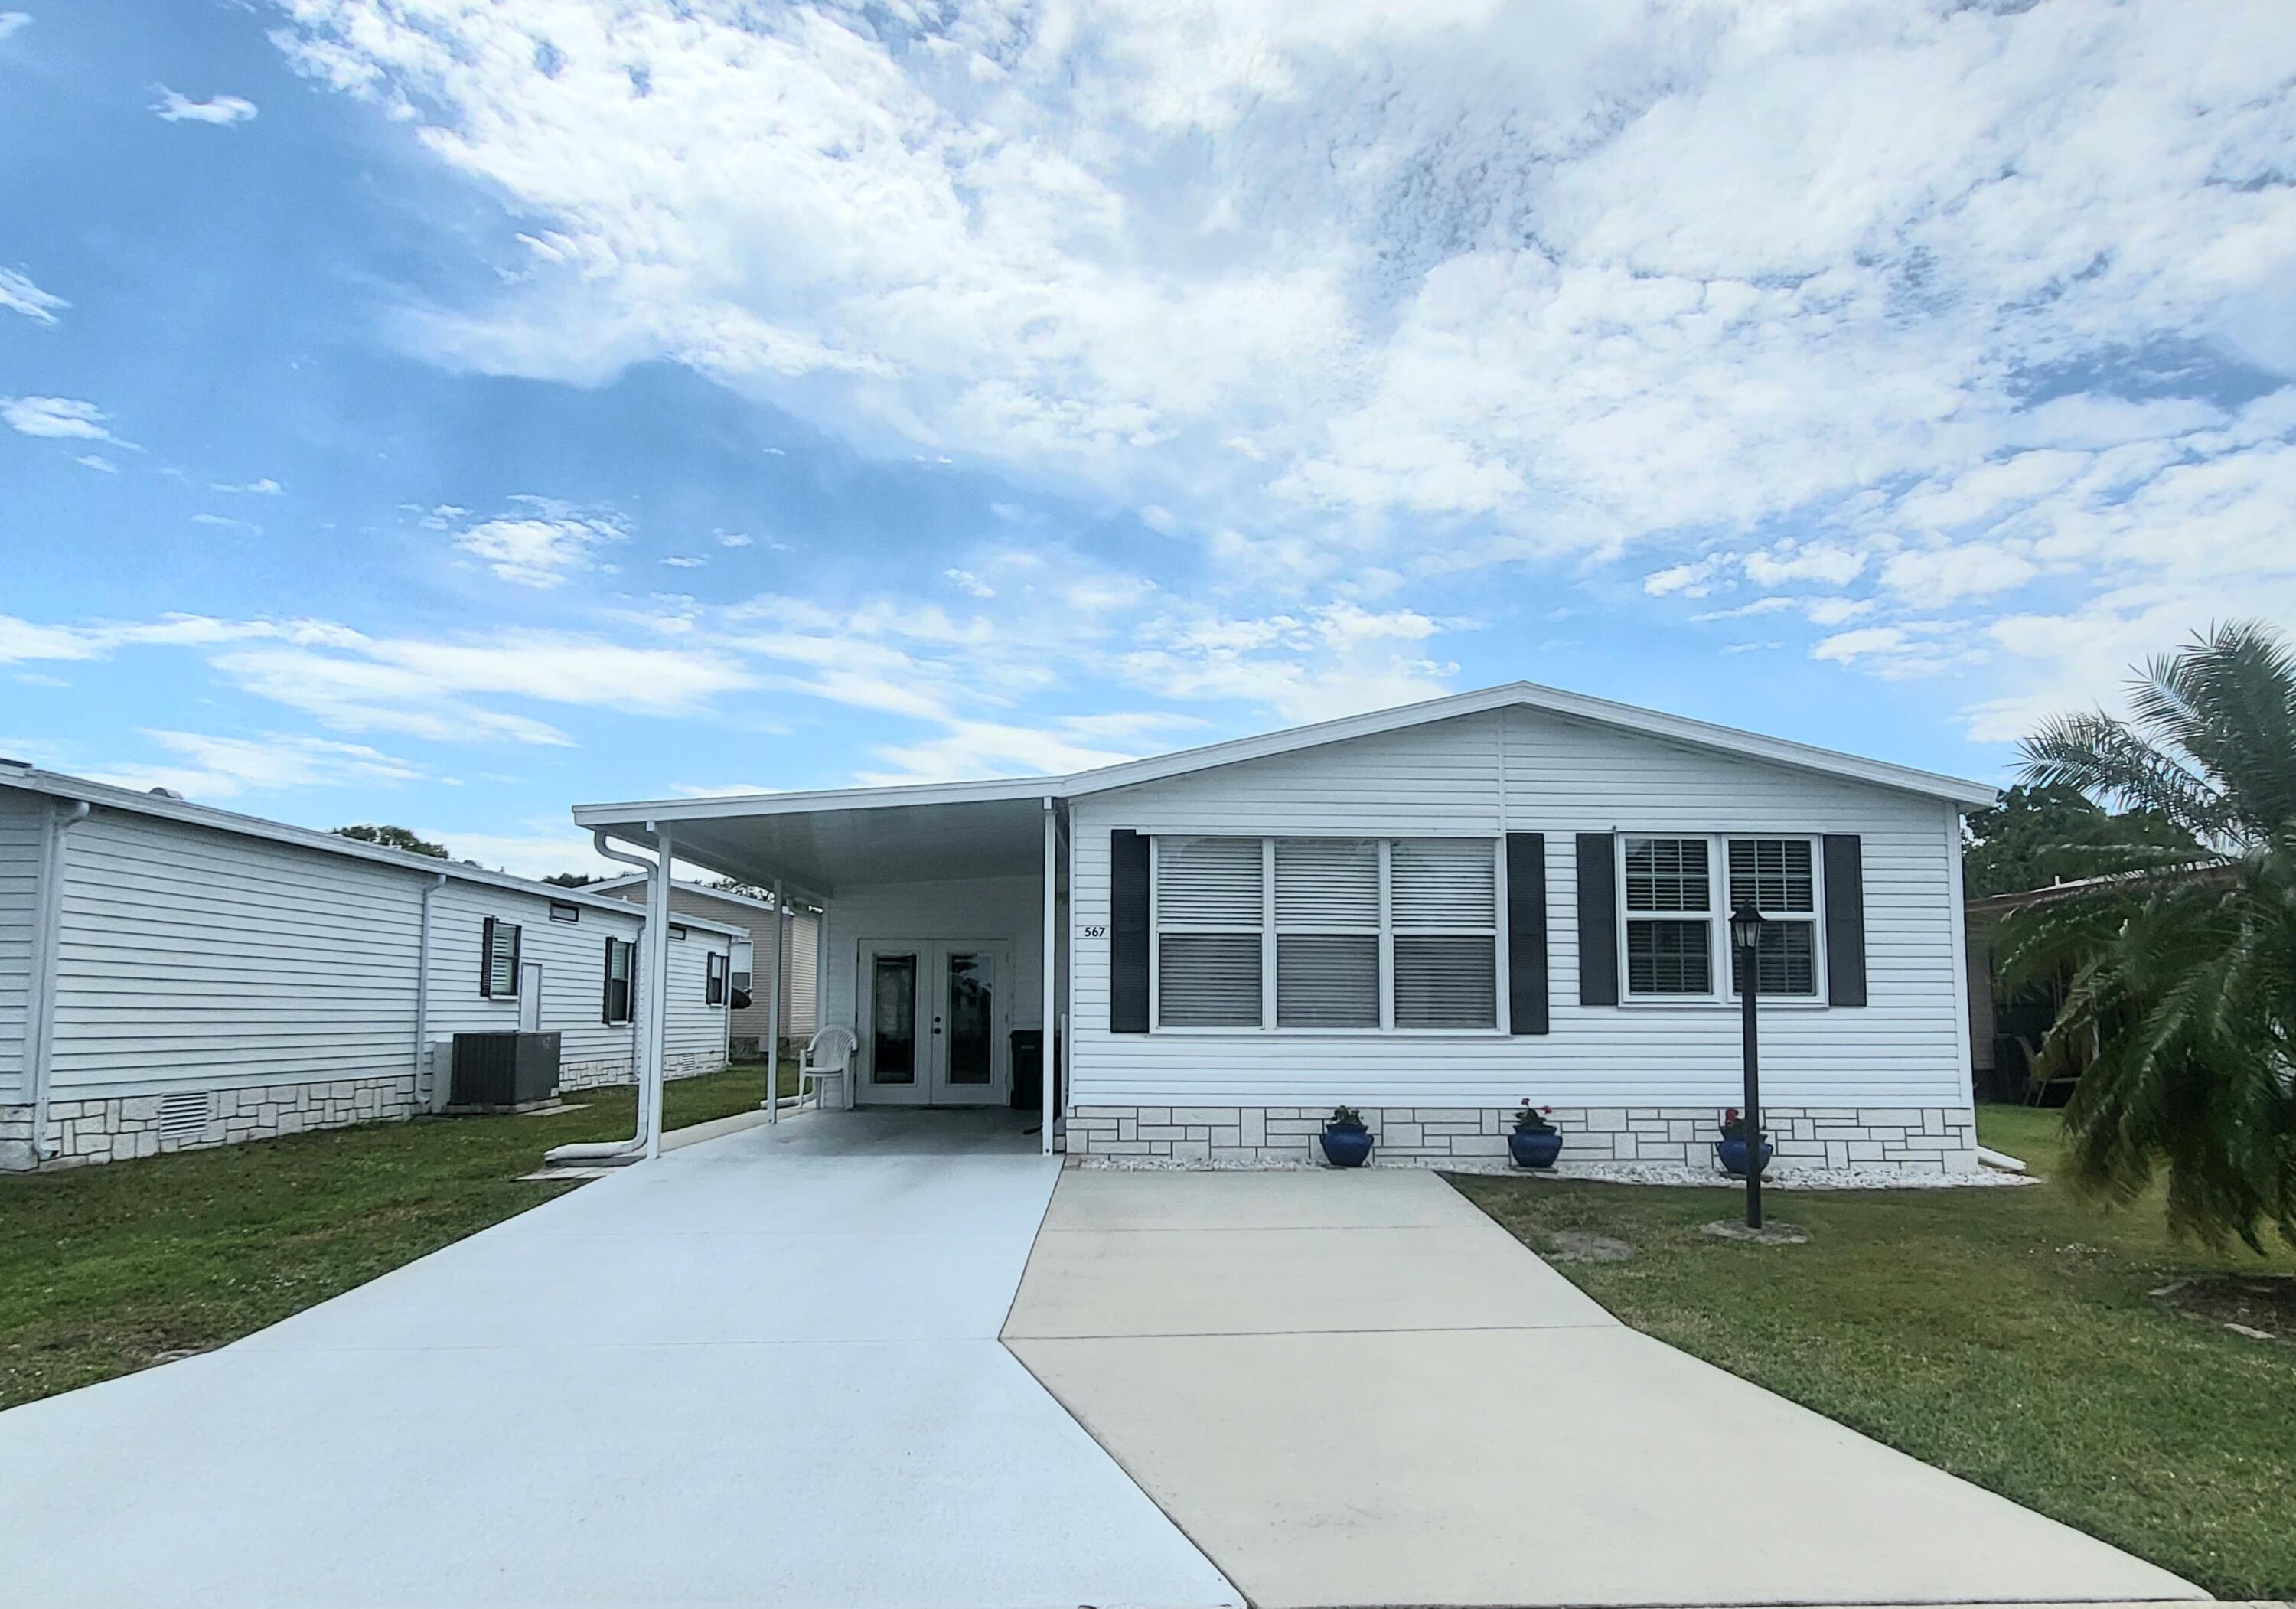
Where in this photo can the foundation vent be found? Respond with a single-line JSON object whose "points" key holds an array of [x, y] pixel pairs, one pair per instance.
{"points": [[186, 1114]]}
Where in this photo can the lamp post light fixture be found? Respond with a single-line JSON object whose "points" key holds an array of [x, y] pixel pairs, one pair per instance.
{"points": [[1745, 946]]}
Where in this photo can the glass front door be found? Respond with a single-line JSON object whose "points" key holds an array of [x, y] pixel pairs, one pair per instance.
{"points": [[933, 1025]]}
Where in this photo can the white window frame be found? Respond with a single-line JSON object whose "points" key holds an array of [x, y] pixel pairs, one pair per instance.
{"points": [[1496, 933], [1722, 982]]}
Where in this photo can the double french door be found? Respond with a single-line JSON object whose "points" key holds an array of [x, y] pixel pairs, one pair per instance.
{"points": [[931, 1024]]}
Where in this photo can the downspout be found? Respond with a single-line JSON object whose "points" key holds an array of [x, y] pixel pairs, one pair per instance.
{"points": [[645, 990], [47, 942], [426, 1071]]}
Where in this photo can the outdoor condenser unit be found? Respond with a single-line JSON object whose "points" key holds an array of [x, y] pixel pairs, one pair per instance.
{"points": [[504, 1071]]}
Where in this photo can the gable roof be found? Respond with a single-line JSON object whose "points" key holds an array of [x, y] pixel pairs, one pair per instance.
{"points": [[165, 806], [1554, 701]]}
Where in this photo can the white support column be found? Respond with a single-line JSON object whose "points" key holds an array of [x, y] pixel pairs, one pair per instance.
{"points": [[1052, 935], [773, 1010], [657, 980]]}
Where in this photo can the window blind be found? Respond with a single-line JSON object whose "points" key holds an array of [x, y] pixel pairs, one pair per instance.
{"points": [[1446, 980], [1208, 979], [1445, 883]]}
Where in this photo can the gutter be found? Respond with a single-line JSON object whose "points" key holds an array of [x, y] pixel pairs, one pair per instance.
{"points": [[651, 995], [47, 934], [431, 1094]]}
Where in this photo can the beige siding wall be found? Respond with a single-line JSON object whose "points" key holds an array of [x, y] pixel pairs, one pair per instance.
{"points": [[1523, 770]]}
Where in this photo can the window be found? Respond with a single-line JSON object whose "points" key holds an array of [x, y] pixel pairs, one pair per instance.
{"points": [[1777, 877], [713, 987], [677, 932], [1211, 916], [1675, 919], [1325, 933], [561, 911], [1669, 953], [621, 970], [498, 960]]}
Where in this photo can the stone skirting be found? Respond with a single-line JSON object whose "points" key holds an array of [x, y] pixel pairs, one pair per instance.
{"points": [[117, 1127], [1926, 1139]]}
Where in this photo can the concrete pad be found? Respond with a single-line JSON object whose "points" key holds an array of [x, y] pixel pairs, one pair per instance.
{"points": [[761, 1370], [1543, 1466], [1377, 1396]]}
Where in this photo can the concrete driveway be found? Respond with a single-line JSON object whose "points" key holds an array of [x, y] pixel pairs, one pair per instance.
{"points": [[1353, 1388], [763, 1370]]}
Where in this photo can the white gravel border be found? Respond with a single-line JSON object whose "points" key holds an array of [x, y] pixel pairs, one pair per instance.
{"points": [[1674, 1174]]}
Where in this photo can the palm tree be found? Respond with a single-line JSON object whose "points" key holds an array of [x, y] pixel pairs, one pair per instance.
{"points": [[2180, 970]]}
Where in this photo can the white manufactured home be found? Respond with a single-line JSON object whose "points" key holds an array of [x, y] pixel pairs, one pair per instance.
{"points": [[173, 975], [794, 942], [1432, 914]]}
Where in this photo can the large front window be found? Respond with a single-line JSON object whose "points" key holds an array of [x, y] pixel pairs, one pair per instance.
{"points": [[1324, 934]]}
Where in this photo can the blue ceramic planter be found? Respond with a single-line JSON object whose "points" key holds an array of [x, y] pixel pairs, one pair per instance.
{"points": [[1535, 1147], [1732, 1154], [1346, 1147]]}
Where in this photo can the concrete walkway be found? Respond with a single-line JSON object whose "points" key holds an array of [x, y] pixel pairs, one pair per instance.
{"points": [[1353, 1388], [762, 1370]]}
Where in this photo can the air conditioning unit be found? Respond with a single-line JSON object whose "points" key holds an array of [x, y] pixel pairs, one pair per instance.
{"points": [[503, 1071]]}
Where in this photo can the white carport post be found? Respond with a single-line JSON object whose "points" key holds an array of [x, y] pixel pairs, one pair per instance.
{"points": [[656, 976], [773, 1010], [1050, 1018]]}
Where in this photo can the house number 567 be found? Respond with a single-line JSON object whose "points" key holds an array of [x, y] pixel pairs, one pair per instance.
{"points": [[1096, 932]]}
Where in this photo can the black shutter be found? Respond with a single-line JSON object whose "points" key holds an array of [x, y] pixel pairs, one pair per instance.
{"points": [[517, 935], [1845, 919], [487, 960], [606, 989], [1598, 919], [1526, 861], [1127, 932]]}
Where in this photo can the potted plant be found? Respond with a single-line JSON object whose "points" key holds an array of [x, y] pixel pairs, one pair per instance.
{"points": [[1535, 1143], [1347, 1142], [1730, 1150]]}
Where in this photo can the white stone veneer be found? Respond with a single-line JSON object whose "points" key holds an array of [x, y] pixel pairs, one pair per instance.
{"points": [[1923, 1138], [117, 1127]]}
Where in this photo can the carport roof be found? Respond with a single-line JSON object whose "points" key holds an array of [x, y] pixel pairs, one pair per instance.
{"points": [[932, 831]]}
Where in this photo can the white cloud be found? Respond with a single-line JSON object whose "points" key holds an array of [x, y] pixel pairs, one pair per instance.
{"points": [[686, 560], [965, 581], [541, 545], [221, 110], [209, 770], [1352, 290], [732, 539], [9, 21], [265, 488], [17, 293], [543, 849], [97, 462], [1931, 578], [60, 417]]}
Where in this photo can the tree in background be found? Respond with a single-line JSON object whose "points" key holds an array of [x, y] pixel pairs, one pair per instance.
{"points": [[394, 838], [2182, 965], [572, 879], [2044, 833]]}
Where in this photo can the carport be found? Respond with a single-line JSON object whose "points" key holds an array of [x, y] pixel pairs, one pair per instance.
{"points": [[940, 931]]}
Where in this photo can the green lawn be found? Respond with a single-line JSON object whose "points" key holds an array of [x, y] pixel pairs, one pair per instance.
{"points": [[2004, 1335], [106, 1270]]}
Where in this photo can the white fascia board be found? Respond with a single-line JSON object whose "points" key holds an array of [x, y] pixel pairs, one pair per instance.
{"points": [[1675, 728], [56, 785], [1579, 706], [720, 805]]}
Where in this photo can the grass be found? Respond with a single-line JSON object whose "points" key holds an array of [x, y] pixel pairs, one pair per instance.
{"points": [[2006, 1336], [106, 1270]]}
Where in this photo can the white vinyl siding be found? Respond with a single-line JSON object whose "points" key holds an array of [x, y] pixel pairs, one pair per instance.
{"points": [[1525, 770], [23, 820], [799, 1004], [195, 958]]}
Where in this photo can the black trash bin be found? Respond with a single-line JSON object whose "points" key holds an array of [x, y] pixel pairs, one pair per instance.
{"points": [[1028, 1070]]}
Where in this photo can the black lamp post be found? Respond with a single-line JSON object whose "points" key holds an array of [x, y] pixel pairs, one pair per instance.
{"points": [[1745, 945]]}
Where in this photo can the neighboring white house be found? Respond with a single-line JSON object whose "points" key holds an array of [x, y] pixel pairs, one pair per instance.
{"points": [[173, 975], [1432, 914], [753, 918]]}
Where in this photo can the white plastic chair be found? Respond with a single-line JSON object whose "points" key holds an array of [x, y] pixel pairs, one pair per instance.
{"points": [[828, 1054]]}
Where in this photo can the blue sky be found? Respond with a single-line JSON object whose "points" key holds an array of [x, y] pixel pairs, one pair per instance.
{"points": [[443, 415]]}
